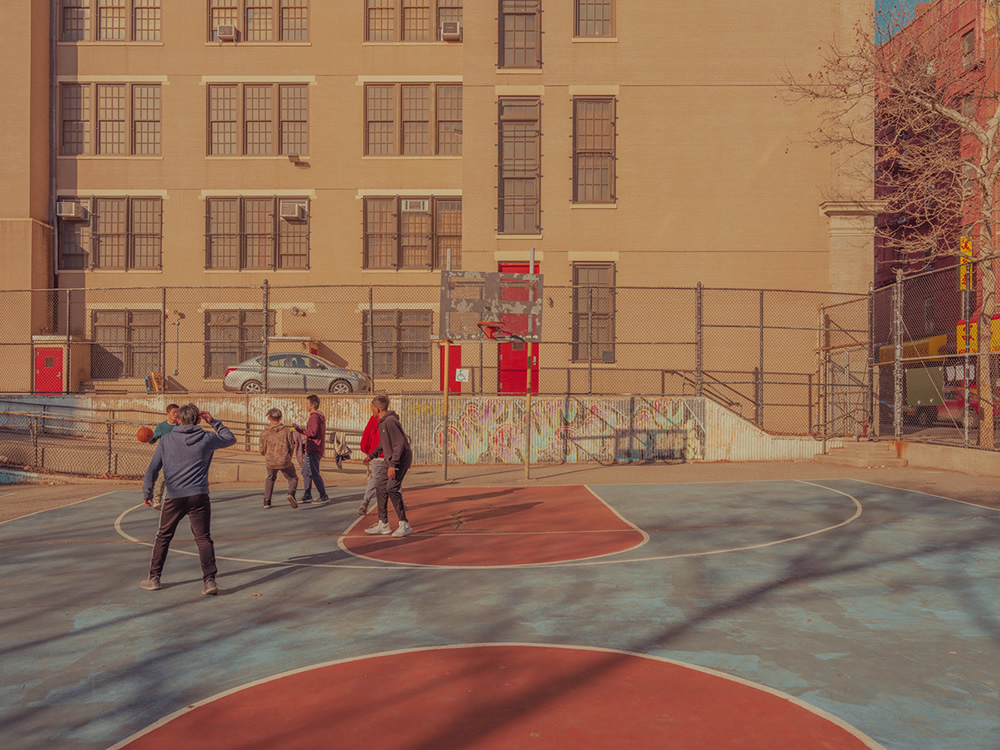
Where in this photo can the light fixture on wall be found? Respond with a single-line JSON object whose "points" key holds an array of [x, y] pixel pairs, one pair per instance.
{"points": [[297, 312]]}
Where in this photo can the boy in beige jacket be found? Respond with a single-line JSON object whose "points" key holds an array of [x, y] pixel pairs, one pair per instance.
{"points": [[277, 448]]}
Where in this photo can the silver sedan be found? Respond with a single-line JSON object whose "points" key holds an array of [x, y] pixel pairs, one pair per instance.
{"points": [[296, 372]]}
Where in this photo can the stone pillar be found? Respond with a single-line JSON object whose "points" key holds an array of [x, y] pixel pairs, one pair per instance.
{"points": [[852, 245]]}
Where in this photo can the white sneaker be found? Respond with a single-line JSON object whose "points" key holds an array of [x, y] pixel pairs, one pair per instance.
{"points": [[379, 528], [403, 529]]}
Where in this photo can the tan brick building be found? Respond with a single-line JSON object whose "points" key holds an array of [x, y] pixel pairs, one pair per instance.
{"points": [[219, 143]]}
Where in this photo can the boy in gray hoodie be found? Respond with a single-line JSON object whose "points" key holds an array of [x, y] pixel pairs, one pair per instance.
{"points": [[277, 447], [185, 455]]}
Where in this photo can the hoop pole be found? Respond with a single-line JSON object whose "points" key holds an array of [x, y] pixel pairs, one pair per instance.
{"points": [[529, 361]]}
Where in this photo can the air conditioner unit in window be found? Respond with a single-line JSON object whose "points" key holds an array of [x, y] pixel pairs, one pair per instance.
{"points": [[70, 210], [414, 206], [225, 32], [291, 211], [451, 31]]}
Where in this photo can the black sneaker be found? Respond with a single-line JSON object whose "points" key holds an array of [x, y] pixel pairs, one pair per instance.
{"points": [[211, 588], [322, 501], [151, 584], [267, 506], [306, 500]]}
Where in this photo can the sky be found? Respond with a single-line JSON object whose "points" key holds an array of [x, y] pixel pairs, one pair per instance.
{"points": [[892, 7]]}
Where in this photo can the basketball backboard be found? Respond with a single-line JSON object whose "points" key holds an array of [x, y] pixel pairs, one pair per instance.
{"points": [[470, 297]]}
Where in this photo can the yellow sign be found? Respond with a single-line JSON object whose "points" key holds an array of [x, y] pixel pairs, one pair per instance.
{"points": [[973, 342], [964, 259]]}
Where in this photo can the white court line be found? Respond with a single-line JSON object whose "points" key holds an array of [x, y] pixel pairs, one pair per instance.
{"points": [[389, 565], [58, 507], [921, 492], [836, 721]]}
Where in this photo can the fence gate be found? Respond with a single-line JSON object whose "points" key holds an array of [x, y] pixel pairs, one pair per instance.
{"points": [[844, 400]]}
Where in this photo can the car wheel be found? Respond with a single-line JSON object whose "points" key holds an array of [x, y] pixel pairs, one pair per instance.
{"points": [[252, 386], [340, 386], [973, 420], [925, 417]]}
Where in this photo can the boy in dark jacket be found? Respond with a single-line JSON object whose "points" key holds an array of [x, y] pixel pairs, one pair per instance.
{"points": [[277, 448], [185, 455], [398, 456]]}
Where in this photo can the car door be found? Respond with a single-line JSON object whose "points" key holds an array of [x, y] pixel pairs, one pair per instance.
{"points": [[317, 377], [278, 375]]}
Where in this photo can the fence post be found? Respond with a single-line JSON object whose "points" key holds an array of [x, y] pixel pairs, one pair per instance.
{"points": [[67, 368], [897, 357], [371, 337], [590, 341], [966, 313], [760, 371], [267, 302], [698, 341], [163, 338], [110, 429], [871, 411], [33, 427]]}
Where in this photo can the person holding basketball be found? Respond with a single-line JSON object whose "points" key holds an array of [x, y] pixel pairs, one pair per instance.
{"points": [[398, 456], [185, 455], [164, 427]]}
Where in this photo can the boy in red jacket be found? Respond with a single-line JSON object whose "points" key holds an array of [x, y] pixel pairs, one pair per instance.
{"points": [[315, 447], [371, 445]]}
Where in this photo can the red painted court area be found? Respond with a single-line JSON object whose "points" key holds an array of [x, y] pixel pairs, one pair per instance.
{"points": [[497, 698], [494, 527]]}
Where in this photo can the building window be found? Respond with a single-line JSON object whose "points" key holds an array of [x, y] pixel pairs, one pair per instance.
{"points": [[409, 20], [593, 312], [413, 232], [398, 343], [595, 18], [127, 121], [261, 20], [413, 120], [594, 150], [520, 34], [519, 207], [242, 119], [116, 20], [120, 234], [969, 48], [234, 336], [126, 343], [246, 233]]}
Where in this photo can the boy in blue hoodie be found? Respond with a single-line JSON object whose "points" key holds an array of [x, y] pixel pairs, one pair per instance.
{"points": [[185, 455]]}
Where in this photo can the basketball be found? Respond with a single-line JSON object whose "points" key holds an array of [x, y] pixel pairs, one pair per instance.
{"points": [[144, 435]]}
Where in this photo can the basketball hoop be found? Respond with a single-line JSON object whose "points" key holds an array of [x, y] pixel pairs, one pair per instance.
{"points": [[490, 328]]}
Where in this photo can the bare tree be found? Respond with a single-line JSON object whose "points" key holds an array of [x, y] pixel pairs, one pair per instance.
{"points": [[934, 146]]}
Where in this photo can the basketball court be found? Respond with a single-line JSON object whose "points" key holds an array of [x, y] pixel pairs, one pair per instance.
{"points": [[813, 613]]}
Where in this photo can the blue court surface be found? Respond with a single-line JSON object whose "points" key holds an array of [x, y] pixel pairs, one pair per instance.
{"points": [[876, 606]]}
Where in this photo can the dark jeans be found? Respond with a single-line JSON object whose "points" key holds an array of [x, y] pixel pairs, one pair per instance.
{"points": [[311, 475], [391, 489], [272, 474], [198, 509]]}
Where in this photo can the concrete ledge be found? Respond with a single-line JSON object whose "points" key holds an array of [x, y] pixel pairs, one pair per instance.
{"points": [[966, 460]]}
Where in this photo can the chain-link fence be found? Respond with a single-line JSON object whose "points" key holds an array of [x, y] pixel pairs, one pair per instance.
{"points": [[754, 351], [932, 351]]}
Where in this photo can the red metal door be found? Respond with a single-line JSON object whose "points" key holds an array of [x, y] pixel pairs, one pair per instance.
{"points": [[49, 370], [512, 356]]}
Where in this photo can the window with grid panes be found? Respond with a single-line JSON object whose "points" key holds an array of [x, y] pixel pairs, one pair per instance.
{"points": [[247, 233], [519, 207], [412, 232], [593, 312], [120, 233], [112, 119], [109, 20], [520, 34], [594, 150], [234, 336], [126, 343], [404, 119], [261, 20], [408, 20], [397, 344], [969, 48], [242, 121], [594, 18]]}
